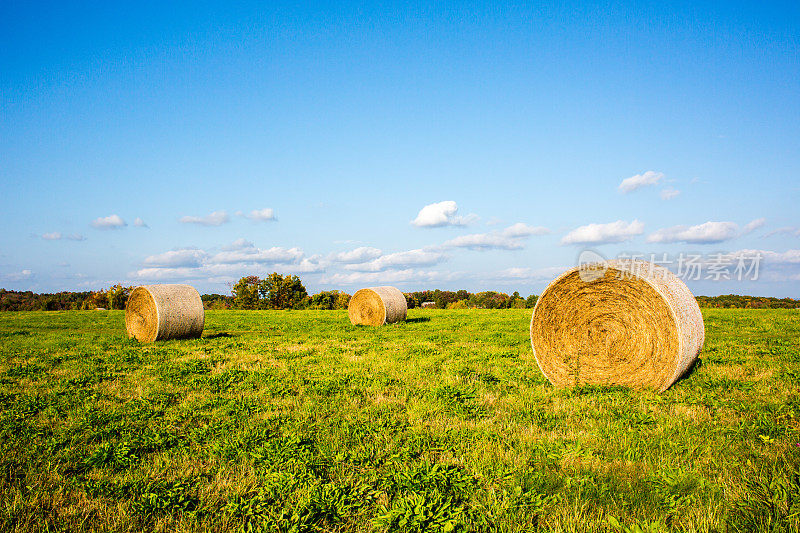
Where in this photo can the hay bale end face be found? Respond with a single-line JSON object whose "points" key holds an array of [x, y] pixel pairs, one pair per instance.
{"points": [[627, 323], [161, 312], [376, 306]]}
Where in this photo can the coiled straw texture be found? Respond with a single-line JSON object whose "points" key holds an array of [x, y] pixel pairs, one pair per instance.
{"points": [[621, 322], [376, 306], [160, 312]]}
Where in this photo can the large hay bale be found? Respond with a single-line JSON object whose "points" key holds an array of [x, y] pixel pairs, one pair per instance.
{"points": [[160, 312], [376, 306], [627, 323]]}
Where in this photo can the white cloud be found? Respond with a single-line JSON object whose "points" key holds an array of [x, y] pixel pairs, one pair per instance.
{"points": [[640, 180], [18, 276], [441, 214], [507, 239], [357, 255], [753, 225], [485, 241], [529, 274], [139, 223], [618, 231], [787, 230], [238, 244], [312, 264], [669, 194], [217, 218], [237, 259], [707, 233], [109, 222], [262, 215], [57, 236], [276, 254], [157, 273], [399, 260], [523, 230], [787, 257], [190, 257], [409, 275]]}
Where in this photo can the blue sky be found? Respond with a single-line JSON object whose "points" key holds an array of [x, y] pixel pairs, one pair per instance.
{"points": [[478, 146]]}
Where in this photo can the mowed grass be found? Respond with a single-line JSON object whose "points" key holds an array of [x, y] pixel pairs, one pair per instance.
{"points": [[298, 421]]}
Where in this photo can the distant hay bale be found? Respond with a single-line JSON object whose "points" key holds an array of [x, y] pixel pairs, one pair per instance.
{"points": [[161, 312], [628, 323], [376, 306]]}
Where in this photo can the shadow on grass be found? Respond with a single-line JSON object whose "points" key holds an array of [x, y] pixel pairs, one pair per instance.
{"points": [[418, 319], [698, 363], [222, 335]]}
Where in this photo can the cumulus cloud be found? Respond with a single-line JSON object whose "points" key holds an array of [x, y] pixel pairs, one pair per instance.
{"points": [[408, 275], [640, 180], [254, 255], [189, 257], [619, 231], [217, 218], [441, 214], [109, 222], [57, 236], [357, 255], [235, 260], [139, 223], [159, 273], [669, 194], [312, 264], [707, 233], [261, 215], [399, 260], [508, 239], [527, 274]]}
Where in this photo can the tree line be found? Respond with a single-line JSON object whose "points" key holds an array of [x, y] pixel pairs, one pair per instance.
{"points": [[277, 291]]}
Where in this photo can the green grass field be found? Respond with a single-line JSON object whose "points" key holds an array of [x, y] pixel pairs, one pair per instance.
{"points": [[298, 421]]}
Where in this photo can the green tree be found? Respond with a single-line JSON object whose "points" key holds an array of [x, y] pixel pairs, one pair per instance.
{"points": [[245, 293], [282, 292], [530, 302], [118, 296]]}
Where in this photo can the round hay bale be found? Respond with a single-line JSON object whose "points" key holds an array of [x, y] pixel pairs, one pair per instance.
{"points": [[621, 322], [376, 306], [160, 312]]}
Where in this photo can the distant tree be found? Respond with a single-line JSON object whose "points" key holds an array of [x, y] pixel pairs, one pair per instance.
{"points": [[330, 300], [411, 300], [516, 301], [530, 301], [282, 292], [117, 296], [245, 293], [217, 301]]}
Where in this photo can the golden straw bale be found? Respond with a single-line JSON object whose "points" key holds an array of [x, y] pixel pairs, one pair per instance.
{"points": [[160, 312], [376, 306], [621, 322]]}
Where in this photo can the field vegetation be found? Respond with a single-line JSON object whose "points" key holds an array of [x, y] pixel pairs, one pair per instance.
{"points": [[298, 421]]}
